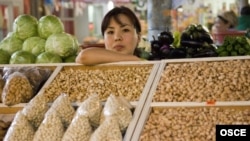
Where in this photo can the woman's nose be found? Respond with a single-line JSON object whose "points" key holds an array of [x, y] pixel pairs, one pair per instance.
{"points": [[118, 37]]}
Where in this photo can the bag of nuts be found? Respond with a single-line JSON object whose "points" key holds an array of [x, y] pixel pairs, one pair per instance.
{"points": [[35, 110], [91, 108], [51, 128], [17, 89], [36, 75], [114, 107], [63, 107], [20, 129], [79, 129], [108, 130]]}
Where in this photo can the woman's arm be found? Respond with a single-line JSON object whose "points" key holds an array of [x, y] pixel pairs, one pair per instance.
{"points": [[93, 56]]}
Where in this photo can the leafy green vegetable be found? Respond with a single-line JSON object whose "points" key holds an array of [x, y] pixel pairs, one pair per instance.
{"points": [[234, 53], [22, 57], [62, 44], [229, 48], [4, 57], [11, 44], [25, 26], [47, 57], [34, 45], [242, 51], [223, 53], [48, 25], [70, 59]]}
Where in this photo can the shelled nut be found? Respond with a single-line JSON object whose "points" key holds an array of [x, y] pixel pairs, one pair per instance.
{"points": [[204, 81], [50, 129], [79, 83], [17, 89], [20, 129], [191, 123], [64, 109], [35, 110], [79, 129]]}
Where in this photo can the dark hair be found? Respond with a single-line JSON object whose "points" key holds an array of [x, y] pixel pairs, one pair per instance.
{"points": [[114, 14], [245, 10], [223, 19]]}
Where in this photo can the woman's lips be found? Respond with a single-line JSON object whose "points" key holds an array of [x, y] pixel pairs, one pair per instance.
{"points": [[119, 47]]}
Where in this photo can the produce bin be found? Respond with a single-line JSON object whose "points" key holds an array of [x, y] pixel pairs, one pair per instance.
{"points": [[188, 120], [196, 82], [202, 80], [133, 80]]}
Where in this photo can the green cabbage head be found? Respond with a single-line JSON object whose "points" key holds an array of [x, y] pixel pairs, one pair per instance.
{"points": [[47, 57], [25, 26], [62, 44], [22, 57], [4, 57], [70, 59], [34, 45], [48, 25], [11, 43]]}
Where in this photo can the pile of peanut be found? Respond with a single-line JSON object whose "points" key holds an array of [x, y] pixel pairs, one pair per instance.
{"points": [[80, 82], [191, 123], [204, 81]]}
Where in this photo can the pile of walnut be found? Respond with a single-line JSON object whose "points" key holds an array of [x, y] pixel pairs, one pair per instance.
{"points": [[80, 82], [191, 123], [61, 121], [204, 81]]}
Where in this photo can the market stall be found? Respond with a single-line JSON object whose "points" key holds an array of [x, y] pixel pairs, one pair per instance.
{"points": [[189, 84]]}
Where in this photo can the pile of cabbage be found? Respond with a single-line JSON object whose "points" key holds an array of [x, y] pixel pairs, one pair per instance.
{"points": [[35, 40]]}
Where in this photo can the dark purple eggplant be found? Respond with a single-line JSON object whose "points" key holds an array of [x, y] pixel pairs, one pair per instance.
{"points": [[202, 28], [155, 45], [165, 50], [205, 52], [177, 53], [166, 37]]}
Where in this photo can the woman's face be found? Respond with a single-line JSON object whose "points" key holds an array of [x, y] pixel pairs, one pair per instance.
{"points": [[220, 24], [121, 38]]}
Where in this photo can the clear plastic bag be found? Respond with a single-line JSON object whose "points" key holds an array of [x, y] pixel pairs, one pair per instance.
{"points": [[79, 129], [115, 107], [108, 130], [35, 110], [51, 128], [63, 107], [17, 89], [20, 129], [92, 108], [36, 75]]}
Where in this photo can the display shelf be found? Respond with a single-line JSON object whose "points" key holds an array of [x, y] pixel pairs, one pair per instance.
{"points": [[105, 69], [151, 100], [11, 109]]}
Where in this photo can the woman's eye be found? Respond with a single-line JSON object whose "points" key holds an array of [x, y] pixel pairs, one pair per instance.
{"points": [[110, 32], [126, 30]]}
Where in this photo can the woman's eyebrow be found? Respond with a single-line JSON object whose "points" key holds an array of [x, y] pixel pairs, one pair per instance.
{"points": [[123, 25]]}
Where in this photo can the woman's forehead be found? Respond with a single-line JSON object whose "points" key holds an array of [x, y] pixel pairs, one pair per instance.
{"points": [[120, 19]]}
